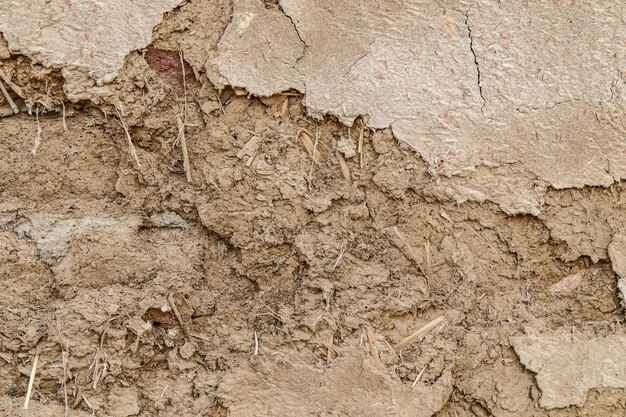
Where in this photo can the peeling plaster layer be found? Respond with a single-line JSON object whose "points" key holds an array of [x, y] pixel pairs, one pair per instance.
{"points": [[259, 50], [305, 390], [568, 366], [532, 91], [617, 253], [92, 37], [535, 55]]}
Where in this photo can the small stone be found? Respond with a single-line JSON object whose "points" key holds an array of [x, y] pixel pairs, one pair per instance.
{"points": [[263, 168], [347, 147], [137, 325], [493, 354], [187, 350], [358, 212], [168, 219], [209, 106]]}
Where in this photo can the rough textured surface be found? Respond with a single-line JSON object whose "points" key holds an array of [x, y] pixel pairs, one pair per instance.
{"points": [[290, 388], [36, 408], [460, 82], [568, 366], [259, 50], [306, 252], [70, 35], [617, 253]]}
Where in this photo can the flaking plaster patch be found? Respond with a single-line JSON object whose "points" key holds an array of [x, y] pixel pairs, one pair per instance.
{"points": [[533, 92], [87, 39], [568, 366], [259, 50], [299, 389]]}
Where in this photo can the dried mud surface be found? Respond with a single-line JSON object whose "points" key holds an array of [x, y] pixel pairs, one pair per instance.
{"points": [[287, 271]]}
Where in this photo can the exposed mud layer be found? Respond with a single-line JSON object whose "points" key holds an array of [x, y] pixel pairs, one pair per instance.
{"points": [[171, 249]]}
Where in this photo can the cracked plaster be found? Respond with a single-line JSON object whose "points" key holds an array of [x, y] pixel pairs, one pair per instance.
{"points": [[71, 36], [531, 91]]}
